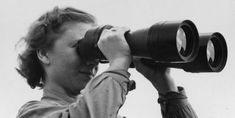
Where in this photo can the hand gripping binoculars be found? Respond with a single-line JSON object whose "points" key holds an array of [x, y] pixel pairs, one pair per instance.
{"points": [[174, 44]]}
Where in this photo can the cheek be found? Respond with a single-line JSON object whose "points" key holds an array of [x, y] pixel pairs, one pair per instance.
{"points": [[71, 58], [67, 58]]}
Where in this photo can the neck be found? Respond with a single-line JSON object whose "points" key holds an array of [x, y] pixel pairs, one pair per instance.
{"points": [[61, 90], [52, 85]]}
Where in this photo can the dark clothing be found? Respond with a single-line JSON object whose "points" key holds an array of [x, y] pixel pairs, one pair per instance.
{"points": [[176, 105]]}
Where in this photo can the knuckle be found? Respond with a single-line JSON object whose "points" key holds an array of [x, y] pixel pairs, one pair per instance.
{"points": [[102, 41], [108, 36], [113, 36]]}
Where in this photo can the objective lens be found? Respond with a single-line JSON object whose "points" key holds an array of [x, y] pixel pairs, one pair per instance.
{"points": [[210, 51], [181, 40]]}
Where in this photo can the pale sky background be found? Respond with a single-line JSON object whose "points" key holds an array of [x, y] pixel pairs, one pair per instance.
{"points": [[211, 94]]}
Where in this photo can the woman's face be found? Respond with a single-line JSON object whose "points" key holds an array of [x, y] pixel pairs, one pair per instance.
{"points": [[66, 67]]}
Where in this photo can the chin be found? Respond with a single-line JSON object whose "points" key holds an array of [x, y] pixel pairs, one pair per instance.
{"points": [[85, 77]]}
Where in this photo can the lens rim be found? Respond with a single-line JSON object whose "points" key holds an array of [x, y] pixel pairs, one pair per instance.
{"points": [[192, 41], [220, 47]]}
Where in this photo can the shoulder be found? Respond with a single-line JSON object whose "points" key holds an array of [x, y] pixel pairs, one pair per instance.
{"points": [[28, 106], [37, 108]]}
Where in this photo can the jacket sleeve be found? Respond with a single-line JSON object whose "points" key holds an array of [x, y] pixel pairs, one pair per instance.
{"points": [[101, 98], [106, 94], [176, 105]]}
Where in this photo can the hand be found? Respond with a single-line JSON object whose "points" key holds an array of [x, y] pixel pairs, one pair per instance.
{"points": [[113, 45], [157, 74]]}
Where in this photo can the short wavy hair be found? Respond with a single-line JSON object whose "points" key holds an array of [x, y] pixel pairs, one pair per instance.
{"points": [[39, 37]]}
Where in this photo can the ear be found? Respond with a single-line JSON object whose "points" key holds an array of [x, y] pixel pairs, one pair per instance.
{"points": [[43, 56]]}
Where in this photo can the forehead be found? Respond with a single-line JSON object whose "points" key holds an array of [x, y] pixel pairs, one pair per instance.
{"points": [[75, 31]]}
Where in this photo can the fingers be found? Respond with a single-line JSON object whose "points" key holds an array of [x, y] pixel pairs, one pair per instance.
{"points": [[114, 33], [113, 45], [119, 29], [146, 66]]}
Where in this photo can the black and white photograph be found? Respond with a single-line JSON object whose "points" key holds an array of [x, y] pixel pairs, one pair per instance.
{"points": [[117, 58]]}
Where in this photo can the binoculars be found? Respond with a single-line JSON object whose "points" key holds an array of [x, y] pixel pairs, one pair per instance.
{"points": [[174, 44]]}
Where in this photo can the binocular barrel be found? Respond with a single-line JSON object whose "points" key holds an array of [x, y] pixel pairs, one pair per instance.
{"points": [[174, 44], [165, 41]]}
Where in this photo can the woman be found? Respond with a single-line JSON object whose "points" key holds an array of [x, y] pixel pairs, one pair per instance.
{"points": [[70, 88]]}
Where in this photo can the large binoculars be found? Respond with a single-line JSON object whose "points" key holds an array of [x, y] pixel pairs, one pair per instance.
{"points": [[174, 44]]}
